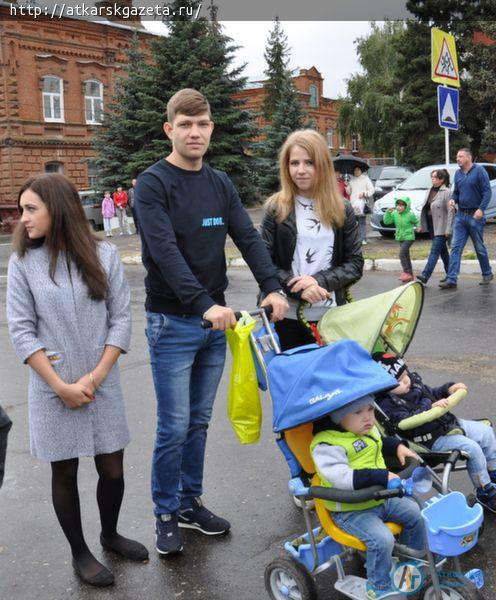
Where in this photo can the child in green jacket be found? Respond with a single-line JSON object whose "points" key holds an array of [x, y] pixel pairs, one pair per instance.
{"points": [[405, 222]]}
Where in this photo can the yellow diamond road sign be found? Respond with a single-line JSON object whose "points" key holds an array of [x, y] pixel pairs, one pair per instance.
{"points": [[444, 63]]}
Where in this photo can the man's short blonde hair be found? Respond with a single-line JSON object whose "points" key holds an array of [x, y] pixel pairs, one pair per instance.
{"points": [[187, 102]]}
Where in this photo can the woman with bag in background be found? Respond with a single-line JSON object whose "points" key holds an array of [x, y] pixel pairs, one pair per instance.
{"points": [[311, 234], [362, 189], [68, 312]]}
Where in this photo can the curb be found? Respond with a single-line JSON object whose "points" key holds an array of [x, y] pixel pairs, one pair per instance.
{"points": [[371, 264]]}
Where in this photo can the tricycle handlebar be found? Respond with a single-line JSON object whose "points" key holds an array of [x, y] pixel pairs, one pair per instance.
{"points": [[205, 324]]}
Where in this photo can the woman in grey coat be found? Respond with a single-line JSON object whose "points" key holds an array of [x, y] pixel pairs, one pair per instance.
{"points": [[68, 312], [437, 219]]}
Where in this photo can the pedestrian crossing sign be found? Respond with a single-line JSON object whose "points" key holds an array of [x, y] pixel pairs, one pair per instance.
{"points": [[444, 62], [447, 107]]}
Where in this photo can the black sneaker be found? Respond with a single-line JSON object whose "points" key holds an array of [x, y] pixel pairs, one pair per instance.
{"points": [[168, 538], [486, 279], [422, 279], [448, 285], [487, 496], [195, 516]]}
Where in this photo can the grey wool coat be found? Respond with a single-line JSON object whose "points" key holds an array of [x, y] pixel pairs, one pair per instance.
{"points": [[442, 214], [61, 319]]}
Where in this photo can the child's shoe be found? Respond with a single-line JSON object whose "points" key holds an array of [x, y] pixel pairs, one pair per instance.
{"points": [[487, 496], [375, 594]]}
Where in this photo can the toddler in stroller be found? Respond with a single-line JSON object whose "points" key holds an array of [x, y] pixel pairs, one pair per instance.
{"points": [[412, 399], [347, 450]]}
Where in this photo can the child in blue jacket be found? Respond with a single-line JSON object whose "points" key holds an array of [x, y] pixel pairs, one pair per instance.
{"points": [[448, 432]]}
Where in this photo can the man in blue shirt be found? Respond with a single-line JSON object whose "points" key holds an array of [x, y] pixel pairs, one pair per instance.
{"points": [[185, 210], [471, 195]]}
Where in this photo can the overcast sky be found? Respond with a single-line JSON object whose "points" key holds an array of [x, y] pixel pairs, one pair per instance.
{"points": [[327, 45]]}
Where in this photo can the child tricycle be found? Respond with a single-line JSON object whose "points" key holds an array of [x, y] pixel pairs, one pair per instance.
{"points": [[331, 377]]}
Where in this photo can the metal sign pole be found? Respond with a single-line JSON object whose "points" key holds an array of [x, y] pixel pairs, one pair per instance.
{"points": [[446, 145]]}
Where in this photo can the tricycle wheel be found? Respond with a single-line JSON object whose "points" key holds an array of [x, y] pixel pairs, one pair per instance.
{"points": [[462, 591], [287, 579]]}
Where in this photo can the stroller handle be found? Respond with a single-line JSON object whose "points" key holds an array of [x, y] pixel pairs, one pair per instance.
{"points": [[374, 492], [205, 324]]}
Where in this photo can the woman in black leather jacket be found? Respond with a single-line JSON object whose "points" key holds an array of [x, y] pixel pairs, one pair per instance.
{"points": [[312, 235]]}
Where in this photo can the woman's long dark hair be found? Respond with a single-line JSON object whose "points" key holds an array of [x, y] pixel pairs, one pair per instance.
{"points": [[69, 231]]}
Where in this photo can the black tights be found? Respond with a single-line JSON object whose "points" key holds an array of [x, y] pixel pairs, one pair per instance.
{"points": [[109, 493]]}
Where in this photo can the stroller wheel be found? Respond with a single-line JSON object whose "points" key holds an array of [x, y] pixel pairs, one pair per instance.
{"points": [[287, 579]]}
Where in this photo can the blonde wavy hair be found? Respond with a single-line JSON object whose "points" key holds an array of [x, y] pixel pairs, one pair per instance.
{"points": [[329, 204]]}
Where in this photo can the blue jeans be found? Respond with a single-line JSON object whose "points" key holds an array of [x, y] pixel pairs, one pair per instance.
{"points": [[187, 363], [465, 226], [439, 249], [479, 443], [369, 526]]}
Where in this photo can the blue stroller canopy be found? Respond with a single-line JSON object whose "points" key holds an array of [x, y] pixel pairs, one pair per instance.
{"points": [[309, 382]]}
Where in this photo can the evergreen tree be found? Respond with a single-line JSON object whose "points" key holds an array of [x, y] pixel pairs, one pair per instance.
{"points": [[196, 54], [287, 112], [288, 117], [117, 140], [276, 55], [417, 132], [476, 62]]}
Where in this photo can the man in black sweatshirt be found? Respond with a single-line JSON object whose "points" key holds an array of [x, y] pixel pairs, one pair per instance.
{"points": [[185, 210]]}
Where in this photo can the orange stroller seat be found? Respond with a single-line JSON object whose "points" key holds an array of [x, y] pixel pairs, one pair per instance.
{"points": [[298, 440]]}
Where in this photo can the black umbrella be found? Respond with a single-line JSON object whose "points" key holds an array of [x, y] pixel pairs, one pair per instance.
{"points": [[345, 163]]}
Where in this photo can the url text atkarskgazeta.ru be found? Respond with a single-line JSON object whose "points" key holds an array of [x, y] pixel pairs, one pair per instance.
{"points": [[62, 9]]}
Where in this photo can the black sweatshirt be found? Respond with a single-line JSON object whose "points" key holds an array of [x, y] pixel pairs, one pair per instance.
{"points": [[184, 217]]}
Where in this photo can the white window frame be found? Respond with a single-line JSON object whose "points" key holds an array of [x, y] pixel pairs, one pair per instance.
{"points": [[93, 100], [51, 96], [354, 143], [330, 138], [342, 141]]}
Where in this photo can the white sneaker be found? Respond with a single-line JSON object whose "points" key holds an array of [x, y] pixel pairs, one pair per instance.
{"points": [[364, 242]]}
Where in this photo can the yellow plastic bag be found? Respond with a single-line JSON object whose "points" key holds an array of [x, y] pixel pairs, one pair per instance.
{"points": [[243, 406]]}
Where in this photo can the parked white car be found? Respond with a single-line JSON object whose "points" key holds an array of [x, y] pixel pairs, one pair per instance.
{"points": [[415, 188]]}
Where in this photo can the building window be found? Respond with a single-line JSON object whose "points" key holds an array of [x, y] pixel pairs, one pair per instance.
{"points": [[53, 99], [354, 143], [314, 96], [330, 138], [93, 102], [92, 175], [54, 167], [342, 140]]}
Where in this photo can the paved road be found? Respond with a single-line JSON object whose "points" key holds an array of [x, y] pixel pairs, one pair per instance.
{"points": [[455, 340]]}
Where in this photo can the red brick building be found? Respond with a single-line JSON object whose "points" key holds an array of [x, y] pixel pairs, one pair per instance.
{"points": [[324, 111], [56, 75]]}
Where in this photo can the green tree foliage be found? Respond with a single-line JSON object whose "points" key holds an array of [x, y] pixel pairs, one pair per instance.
{"points": [[194, 54], [283, 108], [476, 61], [369, 108], [117, 140], [276, 55]]}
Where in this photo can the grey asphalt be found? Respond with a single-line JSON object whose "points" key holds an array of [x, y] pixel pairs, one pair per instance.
{"points": [[248, 484]]}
